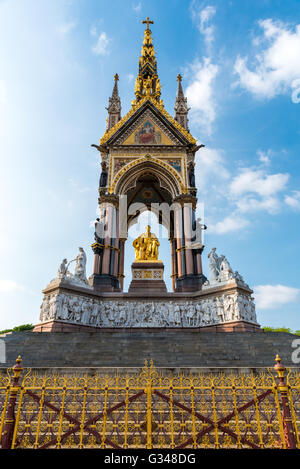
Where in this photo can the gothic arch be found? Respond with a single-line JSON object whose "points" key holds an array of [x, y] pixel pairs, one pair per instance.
{"points": [[166, 175]]}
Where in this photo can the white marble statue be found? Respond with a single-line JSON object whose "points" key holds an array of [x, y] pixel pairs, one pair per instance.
{"points": [[225, 271], [63, 269], [214, 268], [220, 271], [79, 276], [80, 266]]}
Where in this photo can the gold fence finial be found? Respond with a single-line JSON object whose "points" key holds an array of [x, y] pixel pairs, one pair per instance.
{"points": [[280, 368], [278, 359], [289, 426], [17, 368]]}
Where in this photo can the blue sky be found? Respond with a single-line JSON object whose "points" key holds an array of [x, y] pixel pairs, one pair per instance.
{"points": [[241, 73]]}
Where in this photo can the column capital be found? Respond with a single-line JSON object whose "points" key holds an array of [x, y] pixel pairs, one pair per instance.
{"points": [[183, 199], [97, 248], [111, 199]]}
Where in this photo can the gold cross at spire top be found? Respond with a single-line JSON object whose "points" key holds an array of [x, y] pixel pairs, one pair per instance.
{"points": [[147, 22]]}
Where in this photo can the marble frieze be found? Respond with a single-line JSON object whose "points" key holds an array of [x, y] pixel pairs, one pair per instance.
{"points": [[159, 312]]}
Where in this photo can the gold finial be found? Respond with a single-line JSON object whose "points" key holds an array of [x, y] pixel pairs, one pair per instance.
{"points": [[147, 83], [17, 368], [116, 77], [278, 359], [147, 22], [280, 369], [179, 77]]}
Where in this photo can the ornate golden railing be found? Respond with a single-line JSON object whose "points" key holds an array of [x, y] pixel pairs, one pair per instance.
{"points": [[150, 409]]}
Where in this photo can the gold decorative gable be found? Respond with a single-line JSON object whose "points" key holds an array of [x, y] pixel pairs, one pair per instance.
{"points": [[135, 107], [148, 133]]}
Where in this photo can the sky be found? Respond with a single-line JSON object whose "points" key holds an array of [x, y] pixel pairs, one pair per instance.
{"points": [[241, 74]]}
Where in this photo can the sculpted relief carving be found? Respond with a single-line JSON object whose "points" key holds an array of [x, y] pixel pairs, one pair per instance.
{"points": [[123, 313]]}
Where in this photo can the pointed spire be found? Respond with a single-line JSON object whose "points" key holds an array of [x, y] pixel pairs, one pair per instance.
{"points": [[114, 105], [147, 82], [179, 89], [181, 107], [115, 93]]}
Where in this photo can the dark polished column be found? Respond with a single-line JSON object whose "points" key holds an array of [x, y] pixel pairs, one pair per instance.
{"points": [[106, 248], [190, 277], [173, 263], [121, 263]]}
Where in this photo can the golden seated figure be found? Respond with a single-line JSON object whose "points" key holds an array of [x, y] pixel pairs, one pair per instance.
{"points": [[146, 246]]}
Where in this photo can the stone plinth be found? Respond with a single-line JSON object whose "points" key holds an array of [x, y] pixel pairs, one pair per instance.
{"points": [[220, 307], [147, 276], [65, 326]]}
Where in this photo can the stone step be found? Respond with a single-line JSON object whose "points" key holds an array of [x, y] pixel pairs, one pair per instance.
{"points": [[130, 349]]}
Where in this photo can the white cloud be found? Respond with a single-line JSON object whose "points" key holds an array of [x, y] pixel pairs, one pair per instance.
{"points": [[103, 41], [65, 28], [9, 286], [93, 31], [258, 182], [230, 223], [264, 156], [254, 190], [200, 93], [277, 61], [296, 91], [249, 204], [250, 191], [272, 296], [293, 200], [137, 8], [210, 167], [213, 177], [202, 18]]}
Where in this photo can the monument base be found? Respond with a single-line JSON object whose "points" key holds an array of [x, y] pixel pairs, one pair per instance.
{"points": [[65, 326], [147, 276], [219, 307]]}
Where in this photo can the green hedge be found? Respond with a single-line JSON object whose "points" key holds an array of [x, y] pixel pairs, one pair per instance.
{"points": [[280, 329], [23, 327]]}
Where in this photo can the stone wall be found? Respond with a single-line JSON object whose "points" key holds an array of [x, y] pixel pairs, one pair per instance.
{"points": [[167, 348]]}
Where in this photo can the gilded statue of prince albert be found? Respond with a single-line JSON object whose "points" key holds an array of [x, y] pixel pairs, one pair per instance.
{"points": [[146, 246]]}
